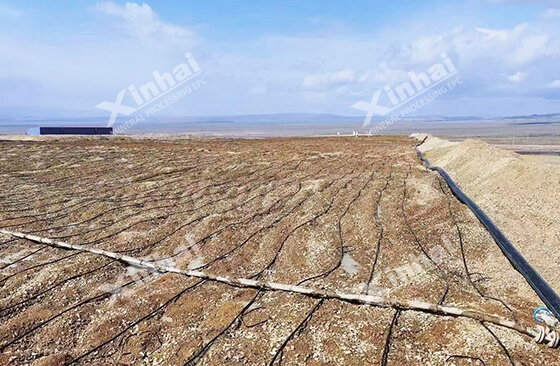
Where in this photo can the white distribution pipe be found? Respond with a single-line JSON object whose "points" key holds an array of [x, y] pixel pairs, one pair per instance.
{"points": [[377, 301]]}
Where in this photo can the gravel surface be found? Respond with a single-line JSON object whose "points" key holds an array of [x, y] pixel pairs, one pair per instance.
{"points": [[359, 215]]}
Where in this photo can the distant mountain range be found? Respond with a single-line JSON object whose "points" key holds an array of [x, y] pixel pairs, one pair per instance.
{"points": [[536, 116], [277, 118]]}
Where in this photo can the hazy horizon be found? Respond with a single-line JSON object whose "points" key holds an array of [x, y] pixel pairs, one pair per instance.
{"points": [[305, 125]]}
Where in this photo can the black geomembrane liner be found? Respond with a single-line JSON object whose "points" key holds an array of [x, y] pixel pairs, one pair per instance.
{"points": [[539, 285]]}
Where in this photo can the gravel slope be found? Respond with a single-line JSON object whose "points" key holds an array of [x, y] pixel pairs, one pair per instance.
{"points": [[522, 197], [355, 215]]}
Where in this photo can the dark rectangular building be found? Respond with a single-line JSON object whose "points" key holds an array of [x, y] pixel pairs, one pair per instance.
{"points": [[75, 130]]}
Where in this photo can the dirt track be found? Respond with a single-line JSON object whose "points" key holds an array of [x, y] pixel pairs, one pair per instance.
{"points": [[357, 215]]}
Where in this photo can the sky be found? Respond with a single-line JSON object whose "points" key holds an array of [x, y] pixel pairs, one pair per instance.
{"points": [[65, 57]]}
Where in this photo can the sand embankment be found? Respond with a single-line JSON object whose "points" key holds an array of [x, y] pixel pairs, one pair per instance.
{"points": [[522, 197]]}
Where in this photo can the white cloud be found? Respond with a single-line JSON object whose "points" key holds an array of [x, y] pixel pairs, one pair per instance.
{"points": [[517, 77], [552, 13], [258, 89], [351, 82], [501, 35], [494, 61], [552, 3], [329, 80], [7, 11], [523, 44], [426, 49], [386, 74], [554, 84], [531, 47], [142, 21], [504, 35]]}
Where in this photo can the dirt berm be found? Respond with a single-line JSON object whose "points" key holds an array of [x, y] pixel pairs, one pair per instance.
{"points": [[521, 197]]}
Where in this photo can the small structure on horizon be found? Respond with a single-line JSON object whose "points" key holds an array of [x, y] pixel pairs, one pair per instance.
{"points": [[70, 131]]}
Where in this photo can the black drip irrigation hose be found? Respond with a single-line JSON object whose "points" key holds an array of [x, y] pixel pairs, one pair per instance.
{"points": [[539, 285]]}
